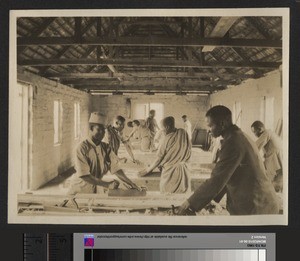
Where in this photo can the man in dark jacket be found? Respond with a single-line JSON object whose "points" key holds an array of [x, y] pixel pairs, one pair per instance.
{"points": [[239, 173]]}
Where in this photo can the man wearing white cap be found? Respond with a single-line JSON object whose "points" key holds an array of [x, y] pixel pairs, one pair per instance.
{"points": [[94, 159]]}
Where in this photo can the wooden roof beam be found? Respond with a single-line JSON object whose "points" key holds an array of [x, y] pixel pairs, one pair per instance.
{"points": [[220, 30], [241, 55], [146, 62], [156, 21], [38, 31], [154, 88], [150, 41], [110, 66], [259, 28], [143, 81], [67, 47], [143, 75], [262, 31]]}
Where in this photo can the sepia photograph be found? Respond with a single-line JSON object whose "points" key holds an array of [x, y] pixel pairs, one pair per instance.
{"points": [[149, 116]]}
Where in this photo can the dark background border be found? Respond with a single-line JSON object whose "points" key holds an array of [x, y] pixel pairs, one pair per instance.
{"points": [[287, 236]]}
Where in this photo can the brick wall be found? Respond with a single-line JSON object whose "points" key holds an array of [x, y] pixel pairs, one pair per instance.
{"points": [[49, 160], [174, 105], [249, 94]]}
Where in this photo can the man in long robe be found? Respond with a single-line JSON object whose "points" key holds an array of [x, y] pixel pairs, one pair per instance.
{"points": [[172, 157], [271, 147], [239, 173]]}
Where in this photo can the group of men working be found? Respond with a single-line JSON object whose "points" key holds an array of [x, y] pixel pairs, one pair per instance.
{"points": [[146, 132], [149, 133], [239, 171]]}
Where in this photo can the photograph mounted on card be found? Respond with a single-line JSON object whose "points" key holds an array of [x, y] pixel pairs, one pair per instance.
{"points": [[149, 116]]}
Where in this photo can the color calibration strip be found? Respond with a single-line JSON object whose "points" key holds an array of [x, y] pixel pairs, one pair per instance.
{"points": [[175, 255]]}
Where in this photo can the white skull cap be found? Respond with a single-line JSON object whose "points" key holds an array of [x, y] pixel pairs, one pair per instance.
{"points": [[97, 117]]}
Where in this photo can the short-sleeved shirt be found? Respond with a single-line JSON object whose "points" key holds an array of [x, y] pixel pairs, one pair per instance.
{"points": [[92, 160], [113, 138]]}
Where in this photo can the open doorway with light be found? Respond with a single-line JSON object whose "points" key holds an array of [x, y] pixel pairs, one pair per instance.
{"points": [[141, 110], [21, 129]]}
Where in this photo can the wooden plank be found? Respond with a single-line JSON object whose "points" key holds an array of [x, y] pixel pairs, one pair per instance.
{"points": [[146, 63], [143, 82], [153, 183], [126, 193], [151, 200], [150, 41], [47, 197], [127, 76], [197, 88], [78, 28], [156, 21], [221, 28]]}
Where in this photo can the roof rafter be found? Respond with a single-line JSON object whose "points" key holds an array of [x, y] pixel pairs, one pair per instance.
{"points": [[67, 47], [221, 29], [206, 86], [150, 41], [134, 75], [146, 62], [38, 31]]}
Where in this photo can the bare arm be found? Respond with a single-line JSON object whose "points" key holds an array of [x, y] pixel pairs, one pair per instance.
{"points": [[83, 169], [159, 157], [121, 175], [131, 134], [129, 151], [148, 170], [95, 181]]}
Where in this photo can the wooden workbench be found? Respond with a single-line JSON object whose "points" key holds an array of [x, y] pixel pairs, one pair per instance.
{"points": [[153, 203]]}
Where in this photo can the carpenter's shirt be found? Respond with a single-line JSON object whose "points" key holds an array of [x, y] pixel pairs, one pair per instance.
{"points": [[92, 160], [113, 138]]}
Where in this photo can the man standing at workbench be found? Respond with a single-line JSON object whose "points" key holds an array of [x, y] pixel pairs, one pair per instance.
{"points": [[239, 173], [94, 159], [114, 136], [172, 157]]}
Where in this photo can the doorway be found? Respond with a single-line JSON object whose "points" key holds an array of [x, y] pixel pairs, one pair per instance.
{"points": [[20, 135], [141, 110]]}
